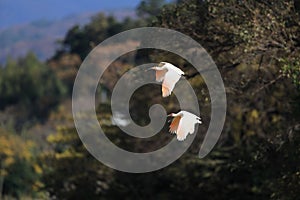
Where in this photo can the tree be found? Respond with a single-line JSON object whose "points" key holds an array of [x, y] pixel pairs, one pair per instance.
{"points": [[19, 171], [28, 82], [256, 47], [70, 172], [150, 8], [81, 40]]}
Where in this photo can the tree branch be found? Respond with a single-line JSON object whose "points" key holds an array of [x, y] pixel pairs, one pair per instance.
{"points": [[267, 84]]}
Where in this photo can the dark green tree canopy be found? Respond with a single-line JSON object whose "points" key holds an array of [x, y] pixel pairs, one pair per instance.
{"points": [[28, 82]]}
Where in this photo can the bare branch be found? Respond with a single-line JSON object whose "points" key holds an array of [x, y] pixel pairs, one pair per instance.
{"points": [[268, 84]]}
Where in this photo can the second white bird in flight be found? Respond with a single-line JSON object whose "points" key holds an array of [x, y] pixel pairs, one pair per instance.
{"points": [[183, 124]]}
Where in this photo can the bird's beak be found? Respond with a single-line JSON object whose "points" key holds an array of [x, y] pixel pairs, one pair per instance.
{"points": [[152, 68]]}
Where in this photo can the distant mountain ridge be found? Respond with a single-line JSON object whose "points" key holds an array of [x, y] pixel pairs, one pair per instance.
{"points": [[41, 36]]}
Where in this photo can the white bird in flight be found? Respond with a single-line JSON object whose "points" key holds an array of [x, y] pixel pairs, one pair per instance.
{"points": [[169, 75], [183, 124]]}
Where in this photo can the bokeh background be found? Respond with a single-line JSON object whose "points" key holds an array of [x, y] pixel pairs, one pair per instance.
{"points": [[256, 46]]}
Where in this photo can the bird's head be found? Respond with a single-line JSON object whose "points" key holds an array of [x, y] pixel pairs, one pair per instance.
{"points": [[161, 64], [176, 114], [172, 115], [157, 67], [152, 68]]}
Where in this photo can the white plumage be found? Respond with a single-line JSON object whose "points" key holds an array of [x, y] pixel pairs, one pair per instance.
{"points": [[183, 123], [169, 75]]}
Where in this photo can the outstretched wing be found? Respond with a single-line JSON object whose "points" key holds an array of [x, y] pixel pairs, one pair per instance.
{"points": [[171, 78], [183, 129], [174, 124], [187, 125], [160, 75], [176, 69]]}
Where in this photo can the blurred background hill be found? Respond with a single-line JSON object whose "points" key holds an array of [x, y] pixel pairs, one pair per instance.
{"points": [[42, 35]]}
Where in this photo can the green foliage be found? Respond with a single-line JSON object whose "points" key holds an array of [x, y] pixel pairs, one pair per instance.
{"points": [[70, 172], [31, 84], [291, 69], [254, 44], [19, 171], [150, 8], [80, 40]]}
